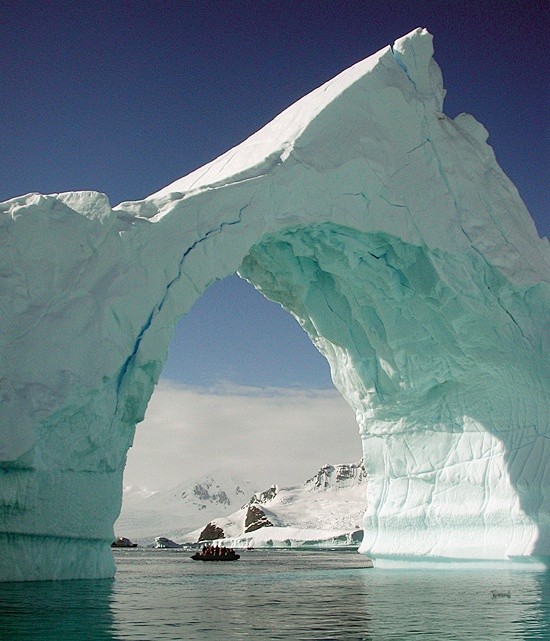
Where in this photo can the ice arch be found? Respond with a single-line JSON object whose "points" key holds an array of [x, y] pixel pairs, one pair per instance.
{"points": [[386, 228]]}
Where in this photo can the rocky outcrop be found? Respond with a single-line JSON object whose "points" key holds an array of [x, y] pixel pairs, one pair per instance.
{"points": [[211, 532], [264, 497], [255, 519], [123, 542], [204, 493], [338, 476]]}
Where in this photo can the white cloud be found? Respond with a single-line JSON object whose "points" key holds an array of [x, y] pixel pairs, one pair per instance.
{"points": [[269, 435]]}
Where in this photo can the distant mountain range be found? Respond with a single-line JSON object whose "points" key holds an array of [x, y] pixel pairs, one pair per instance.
{"points": [[146, 515], [326, 509]]}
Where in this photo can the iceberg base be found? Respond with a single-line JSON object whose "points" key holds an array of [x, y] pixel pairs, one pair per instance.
{"points": [[40, 558], [537, 564]]}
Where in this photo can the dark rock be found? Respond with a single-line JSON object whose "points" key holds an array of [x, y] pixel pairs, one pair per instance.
{"points": [[322, 478], [346, 472], [255, 519], [264, 497], [211, 532], [123, 542], [202, 491], [339, 475]]}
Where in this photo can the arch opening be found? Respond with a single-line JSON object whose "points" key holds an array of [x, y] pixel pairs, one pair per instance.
{"points": [[245, 400]]}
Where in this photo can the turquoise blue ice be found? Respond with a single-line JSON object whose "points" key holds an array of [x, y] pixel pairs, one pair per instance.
{"points": [[391, 234]]}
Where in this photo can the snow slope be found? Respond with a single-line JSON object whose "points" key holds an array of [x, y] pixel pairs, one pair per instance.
{"points": [[394, 238], [325, 510], [146, 515]]}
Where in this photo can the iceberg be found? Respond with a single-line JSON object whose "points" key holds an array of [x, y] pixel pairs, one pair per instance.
{"points": [[387, 229]]}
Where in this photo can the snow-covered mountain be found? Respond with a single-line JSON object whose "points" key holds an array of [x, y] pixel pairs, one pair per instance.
{"points": [[146, 515], [326, 509]]}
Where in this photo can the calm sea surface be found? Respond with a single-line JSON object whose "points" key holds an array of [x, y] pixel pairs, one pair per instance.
{"points": [[291, 595]]}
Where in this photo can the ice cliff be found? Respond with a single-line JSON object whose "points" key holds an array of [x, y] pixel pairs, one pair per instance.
{"points": [[391, 234]]}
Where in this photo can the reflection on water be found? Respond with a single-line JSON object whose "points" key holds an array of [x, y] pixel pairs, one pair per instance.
{"points": [[460, 605], [287, 595], [60, 610]]}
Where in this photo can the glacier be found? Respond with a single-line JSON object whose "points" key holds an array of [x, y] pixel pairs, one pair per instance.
{"points": [[387, 229]]}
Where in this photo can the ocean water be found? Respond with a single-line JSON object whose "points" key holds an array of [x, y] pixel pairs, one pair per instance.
{"points": [[286, 594]]}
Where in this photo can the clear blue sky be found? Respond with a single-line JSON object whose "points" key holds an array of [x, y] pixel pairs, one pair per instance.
{"points": [[125, 97]]}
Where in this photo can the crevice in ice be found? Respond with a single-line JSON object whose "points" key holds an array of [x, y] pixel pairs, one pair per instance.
{"points": [[422, 144], [133, 353], [218, 229], [398, 57], [457, 207], [539, 433]]}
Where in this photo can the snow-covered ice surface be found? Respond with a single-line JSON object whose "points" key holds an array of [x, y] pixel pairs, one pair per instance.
{"points": [[391, 234]]}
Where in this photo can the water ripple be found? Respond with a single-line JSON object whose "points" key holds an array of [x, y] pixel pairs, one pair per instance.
{"points": [[277, 595]]}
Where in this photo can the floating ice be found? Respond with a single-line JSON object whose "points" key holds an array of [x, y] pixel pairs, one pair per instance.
{"points": [[386, 228]]}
